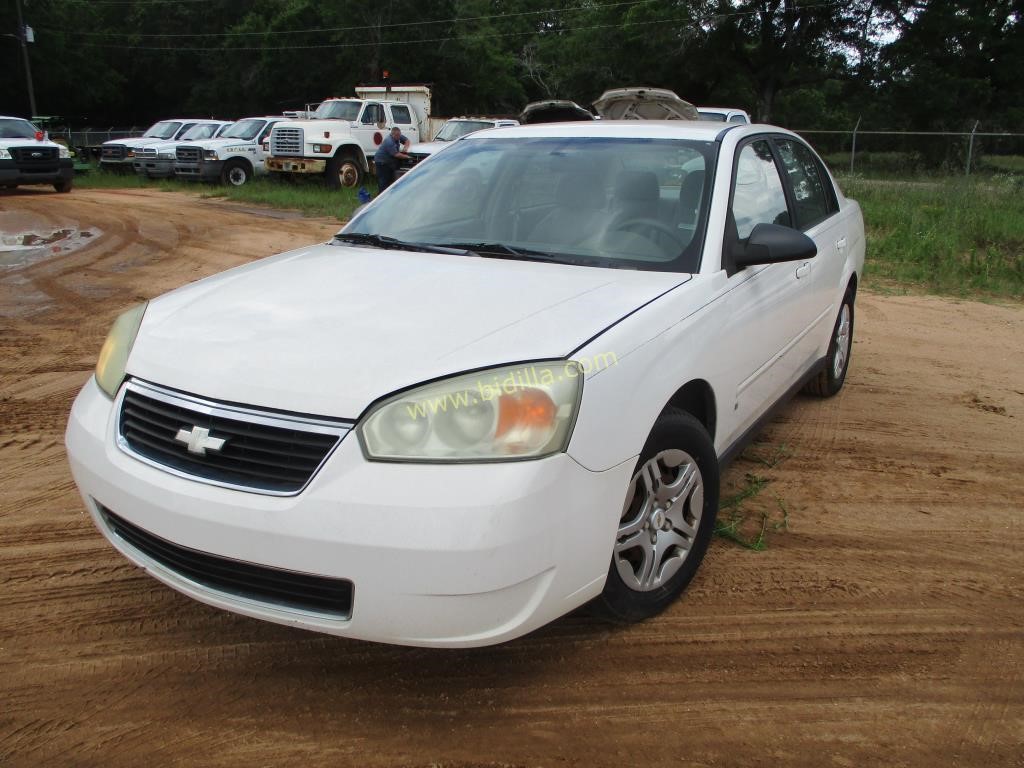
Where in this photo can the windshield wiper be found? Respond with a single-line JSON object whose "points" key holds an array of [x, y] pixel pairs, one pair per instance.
{"points": [[505, 251], [393, 243]]}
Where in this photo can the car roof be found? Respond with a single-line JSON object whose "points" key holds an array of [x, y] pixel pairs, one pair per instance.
{"points": [[652, 129]]}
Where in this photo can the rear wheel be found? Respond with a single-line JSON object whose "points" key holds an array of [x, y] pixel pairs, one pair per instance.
{"points": [[343, 171], [666, 522], [236, 173], [830, 380], [64, 185]]}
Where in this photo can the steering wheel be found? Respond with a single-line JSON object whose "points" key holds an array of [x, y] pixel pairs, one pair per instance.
{"points": [[658, 233]]}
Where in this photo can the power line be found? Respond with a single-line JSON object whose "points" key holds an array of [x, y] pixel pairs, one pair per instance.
{"points": [[691, 21], [396, 24]]}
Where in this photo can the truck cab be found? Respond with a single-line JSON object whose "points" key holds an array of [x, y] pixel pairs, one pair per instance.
{"points": [[234, 158], [156, 161], [118, 154], [340, 138], [28, 157]]}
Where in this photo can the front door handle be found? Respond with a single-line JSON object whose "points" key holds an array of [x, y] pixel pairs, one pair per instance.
{"points": [[841, 244], [803, 270]]}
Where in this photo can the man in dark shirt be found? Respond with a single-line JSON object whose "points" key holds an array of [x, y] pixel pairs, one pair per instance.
{"points": [[385, 161]]}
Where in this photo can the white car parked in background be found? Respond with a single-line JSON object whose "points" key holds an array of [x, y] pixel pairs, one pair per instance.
{"points": [[233, 158], [505, 389], [453, 129], [156, 161]]}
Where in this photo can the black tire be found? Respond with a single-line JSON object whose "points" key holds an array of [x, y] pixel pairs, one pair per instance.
{"points": [[830, 379], [344, 171], [675, 431], [64, 185], [235, 173]]}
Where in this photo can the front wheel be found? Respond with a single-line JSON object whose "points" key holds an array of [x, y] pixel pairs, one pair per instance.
{"points": [[64, 185], [667, 520], [343, 172], [830, 380], [236, 173]]}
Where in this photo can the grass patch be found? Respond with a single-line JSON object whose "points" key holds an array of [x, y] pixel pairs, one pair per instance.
{"points": [[734, 522], [308, 196], [954, 236]]}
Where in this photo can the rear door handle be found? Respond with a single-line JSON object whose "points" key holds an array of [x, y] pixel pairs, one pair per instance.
{"points": [[803, 270]]}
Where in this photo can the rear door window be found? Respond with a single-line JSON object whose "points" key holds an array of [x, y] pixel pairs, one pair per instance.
{"points": [[812, 201]]}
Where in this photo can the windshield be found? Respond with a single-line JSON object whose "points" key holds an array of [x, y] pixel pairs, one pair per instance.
{"points": [[602, 201], [16, 129], [715, 117], [338, 110], [197, 132], [162, 130], [453, 129], [244, 129]]}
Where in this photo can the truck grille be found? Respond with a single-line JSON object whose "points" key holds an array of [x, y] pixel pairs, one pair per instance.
{"points": [[274, 586], [145, 152], [262, 451], [28, 156], [188, 154], [114, 152], [286, 141]]}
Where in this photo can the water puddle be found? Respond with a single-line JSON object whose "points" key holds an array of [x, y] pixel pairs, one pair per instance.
{"points": [[23, 248]]}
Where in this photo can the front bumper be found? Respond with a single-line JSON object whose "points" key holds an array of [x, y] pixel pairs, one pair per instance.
{"points": [[295, 165], [437, 555], [154, 168], [203, 170], [13, 173]]}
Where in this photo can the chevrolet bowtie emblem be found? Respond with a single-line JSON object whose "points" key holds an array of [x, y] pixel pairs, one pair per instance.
{"points": [[199, 441]]}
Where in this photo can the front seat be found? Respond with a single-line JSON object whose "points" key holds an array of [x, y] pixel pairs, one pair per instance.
{"points": [[578, 214], [689, 197]]}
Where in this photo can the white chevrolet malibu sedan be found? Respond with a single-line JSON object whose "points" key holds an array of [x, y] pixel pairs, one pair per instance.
{"points": [[503, 390]]}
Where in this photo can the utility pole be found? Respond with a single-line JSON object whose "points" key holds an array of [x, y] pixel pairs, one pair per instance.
{"points": [[24, 55]]}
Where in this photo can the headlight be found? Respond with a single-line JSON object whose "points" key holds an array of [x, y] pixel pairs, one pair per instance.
{"points": [[63, 152], [515, 412], [209, 154], [130, 153], [114, 354], [5, 155], [165, 155]]}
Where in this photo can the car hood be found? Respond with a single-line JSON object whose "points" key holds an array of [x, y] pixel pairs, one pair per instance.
{"points": [[327, 330], [138, 141], [221, 143], [644, 104], [32, 142], [553, 111], [314, 129], [428, 147]]}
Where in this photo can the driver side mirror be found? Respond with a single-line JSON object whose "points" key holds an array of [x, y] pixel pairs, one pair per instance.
{"points": [[772, 244]]}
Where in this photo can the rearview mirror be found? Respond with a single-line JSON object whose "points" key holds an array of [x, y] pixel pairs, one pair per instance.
{"points": [[774, 243]]}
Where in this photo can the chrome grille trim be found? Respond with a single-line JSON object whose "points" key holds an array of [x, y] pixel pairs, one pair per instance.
{"points": [[234, 413], [286, 141], [187, 154]]}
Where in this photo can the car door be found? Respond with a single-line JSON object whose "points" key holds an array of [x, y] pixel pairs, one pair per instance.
{"points": [[816, 210], [769, 309]]}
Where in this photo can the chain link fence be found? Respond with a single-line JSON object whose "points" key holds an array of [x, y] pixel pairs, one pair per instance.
{"points": [[909, 153]]}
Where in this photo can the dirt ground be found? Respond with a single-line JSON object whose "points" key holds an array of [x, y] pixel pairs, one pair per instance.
{"points": [[883, 626]]}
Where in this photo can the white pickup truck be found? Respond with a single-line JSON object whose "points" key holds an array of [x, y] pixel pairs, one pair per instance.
{"points": [[341, 137], [233, 158]]}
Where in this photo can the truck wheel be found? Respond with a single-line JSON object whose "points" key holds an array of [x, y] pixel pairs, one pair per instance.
{"points": [[344, 171], [64, 185], [236, 173]]}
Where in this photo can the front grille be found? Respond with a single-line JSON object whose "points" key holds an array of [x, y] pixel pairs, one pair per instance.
{"points": [[286, 141], [188, 154], [265, 452], [273, 586], [145, 152], [29, 156], [114, 152]]}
